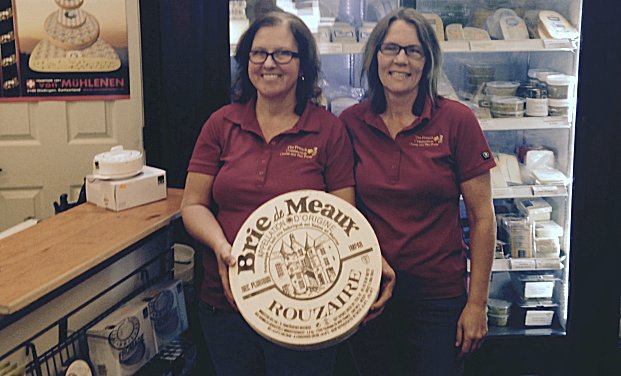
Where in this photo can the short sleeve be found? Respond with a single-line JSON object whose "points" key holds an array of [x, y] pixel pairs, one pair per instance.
{"points": [[207, 152], [473, 156]]}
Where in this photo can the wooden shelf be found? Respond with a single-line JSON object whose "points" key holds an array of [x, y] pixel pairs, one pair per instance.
{"points": [[42, 258]]}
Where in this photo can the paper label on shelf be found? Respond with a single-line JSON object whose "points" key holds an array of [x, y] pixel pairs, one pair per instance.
{"points": [[538, 318], [556, 43], [522, 264], [553, 263], [501, 265], [503, 192], [557, 121], [486, 123], [538, 289], [483, 45], [543, 190], [330, 48], [455, 45], [352, 48]]}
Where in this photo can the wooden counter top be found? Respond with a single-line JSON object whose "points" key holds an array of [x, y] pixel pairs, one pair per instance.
{"points": [[51, 253]]}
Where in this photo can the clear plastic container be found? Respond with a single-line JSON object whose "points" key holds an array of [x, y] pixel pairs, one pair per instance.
{"points": [[502, 114], [559, 86], [184, 262], [542, 75], [519, 234], [498, 306], [501, 88], [477, 75], [476, 69], [535, 313], [503, 107], [498, 312], [533, 72], [558, 107], [497, 320], [533, 286]]}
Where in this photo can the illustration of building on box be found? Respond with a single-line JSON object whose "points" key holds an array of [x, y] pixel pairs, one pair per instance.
{"points": [[122, 342], [64, 50], [168, 311]]}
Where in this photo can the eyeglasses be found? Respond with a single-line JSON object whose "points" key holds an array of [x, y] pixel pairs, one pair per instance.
{"points": [[279, 56], [392, 49]]}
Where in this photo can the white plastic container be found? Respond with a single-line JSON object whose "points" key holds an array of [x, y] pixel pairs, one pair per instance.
{"points": [[117, 163], [536, 101], [542, 75], [503, 107], [559, 86], [558, 107], [498, 311], [535, 312], [534, 286], [548, 229], [533, 74], [536, 208], [502, 88], [184, 262]]}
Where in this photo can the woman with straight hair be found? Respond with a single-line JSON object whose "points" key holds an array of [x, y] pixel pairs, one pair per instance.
{"points": [[416, 153]]}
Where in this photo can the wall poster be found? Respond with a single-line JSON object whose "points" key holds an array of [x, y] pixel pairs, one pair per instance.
{"points": [[63, 50]]}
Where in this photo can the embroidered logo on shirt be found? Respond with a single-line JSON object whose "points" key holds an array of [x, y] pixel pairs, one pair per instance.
{"points": [[299, 152], [427, 141], [486, 155]]}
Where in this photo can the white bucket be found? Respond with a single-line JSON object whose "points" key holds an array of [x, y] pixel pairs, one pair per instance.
{"points": [[184, 262]]}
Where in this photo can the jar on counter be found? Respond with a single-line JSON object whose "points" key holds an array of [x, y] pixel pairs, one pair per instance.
{"points": [[559, 86], [536, 101]]}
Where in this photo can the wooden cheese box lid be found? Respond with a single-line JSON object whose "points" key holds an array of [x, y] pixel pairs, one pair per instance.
{"points": [[308, 269]]}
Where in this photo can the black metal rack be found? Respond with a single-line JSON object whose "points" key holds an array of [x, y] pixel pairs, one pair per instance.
{"points": [[74, 345]]}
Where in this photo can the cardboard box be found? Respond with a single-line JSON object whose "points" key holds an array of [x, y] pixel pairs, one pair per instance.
{"points": [[168, 311], [148, 186], [123, 341]]}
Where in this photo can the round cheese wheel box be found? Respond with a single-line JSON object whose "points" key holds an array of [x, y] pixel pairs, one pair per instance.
{"points": [[308, 269]]}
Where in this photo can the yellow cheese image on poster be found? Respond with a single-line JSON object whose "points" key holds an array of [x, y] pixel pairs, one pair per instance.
{"points": [[70, 49]]}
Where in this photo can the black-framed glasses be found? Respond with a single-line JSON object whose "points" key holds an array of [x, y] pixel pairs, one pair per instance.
{"points": [[392, 49], [279, 56]]}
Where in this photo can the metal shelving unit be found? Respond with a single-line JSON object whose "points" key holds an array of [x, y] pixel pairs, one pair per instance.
{"points": [[72, 345]]}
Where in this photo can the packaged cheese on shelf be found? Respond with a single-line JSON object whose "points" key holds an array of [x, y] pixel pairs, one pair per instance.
{"points": [[513, 27], [454, 32], [436, 23], [555, 26]]}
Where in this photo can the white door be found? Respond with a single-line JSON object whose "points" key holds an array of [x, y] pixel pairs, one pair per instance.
{"points": [[47, 147]]}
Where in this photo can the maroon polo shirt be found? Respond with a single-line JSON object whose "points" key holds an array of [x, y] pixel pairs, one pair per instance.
{"points": [[315, 154], [408, 189]]}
